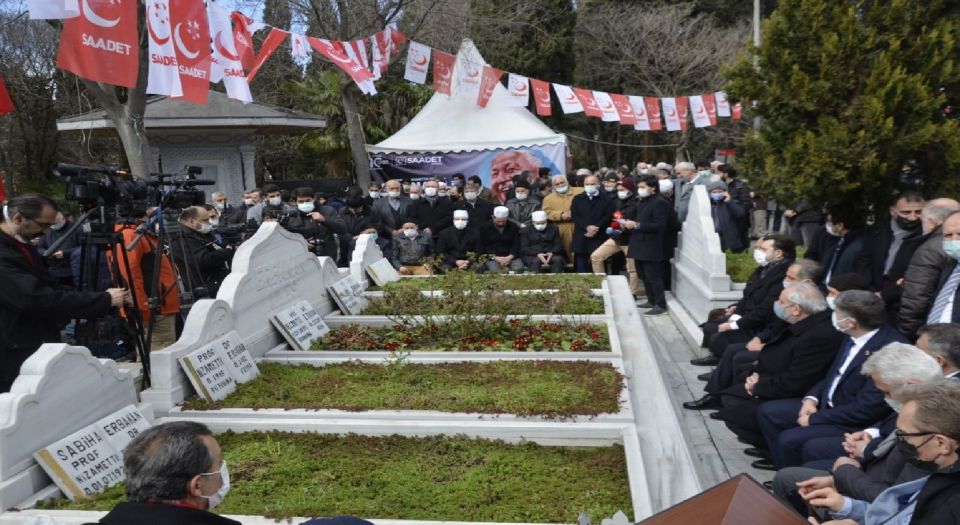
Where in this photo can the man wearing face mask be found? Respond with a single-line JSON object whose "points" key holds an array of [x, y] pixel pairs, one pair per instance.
{"points": [[201, 262], [648, 227], [942, 343], [273, 199], [837, 248], [619, 237], [431, 212], [928, 435], [33, 308], [229, 214], [727, 215], [591, 212], [522, 205], [319, 225], [58, 264], [540, 246], [884, 239], [391, 212], [457, 243], [688, 177], [501, 244], [479, 209], [868, 462], [410, 249], [557, 205]]}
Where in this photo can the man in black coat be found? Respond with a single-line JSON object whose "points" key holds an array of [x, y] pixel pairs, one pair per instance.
{"points": [[754, 312], [540, 246], [33, 308], [647, 228], [229, 214], [837, 248], [479, 210], [203, 264], [319, 225], [456, 244], [357, 219], [885, 238], [500, 242], [58, 264], [590, 212], [431, 212]]}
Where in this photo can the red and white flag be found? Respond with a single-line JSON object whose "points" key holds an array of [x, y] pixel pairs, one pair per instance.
{"points": [[700, 117], [737, 111], [6, 106], [377, 63], [628, 117], [683, 111], [469, 77], [53, 9], [442, 71], [710, 104], [359, 48], [269, 46], [337, 55], [225, 63], [491, 77], [723, 106], [518, 89], [299, 47], [640, 110], [243, 29], [164, 77], [102, 44], [588, 103], [541, 97], [608, 110], [418, 62], [654, 114], [191, 39], [670, 113], [569, 102]]}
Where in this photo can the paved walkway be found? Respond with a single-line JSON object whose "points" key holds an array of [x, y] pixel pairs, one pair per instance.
{"points": [[716, 452]]}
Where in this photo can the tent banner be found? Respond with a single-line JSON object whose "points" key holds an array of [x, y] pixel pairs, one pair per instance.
{"points": [[496, 168]]}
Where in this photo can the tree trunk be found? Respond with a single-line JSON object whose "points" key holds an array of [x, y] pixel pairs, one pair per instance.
{"points": [[351, 109]]}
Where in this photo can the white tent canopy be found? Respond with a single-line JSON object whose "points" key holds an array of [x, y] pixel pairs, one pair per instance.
{"points": [[456, 123]]}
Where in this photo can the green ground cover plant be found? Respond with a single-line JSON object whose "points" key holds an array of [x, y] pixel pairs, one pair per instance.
{"points": [[504, 282], [529, 388], [281, 475]]}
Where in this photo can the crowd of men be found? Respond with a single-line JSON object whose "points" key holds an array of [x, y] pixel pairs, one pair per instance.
{"points": [[840, 369]]}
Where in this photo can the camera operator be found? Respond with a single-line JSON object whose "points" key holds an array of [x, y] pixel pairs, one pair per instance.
{"points": [[229, 215], [33, 308], [317, 224], [58, 263], [202, 263], [273, 199]]}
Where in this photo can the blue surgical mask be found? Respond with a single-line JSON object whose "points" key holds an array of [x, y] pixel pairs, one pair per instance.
{"points": [[717, 196], [779, 311], [952, 248]]}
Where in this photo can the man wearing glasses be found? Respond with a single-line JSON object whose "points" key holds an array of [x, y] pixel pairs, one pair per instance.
{"points": [[33, 308]]}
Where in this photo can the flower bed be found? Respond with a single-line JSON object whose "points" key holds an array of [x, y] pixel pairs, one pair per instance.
{"points": [[406, 298], [474, 334], [503, 282], [557, 389], [281, 475]]}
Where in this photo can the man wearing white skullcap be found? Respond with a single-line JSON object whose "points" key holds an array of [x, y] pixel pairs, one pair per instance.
{"points": [[456, 243], [501, 243], [540, 246]]}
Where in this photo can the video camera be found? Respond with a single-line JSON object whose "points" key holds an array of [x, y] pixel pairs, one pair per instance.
{"points": [[106, 186]]}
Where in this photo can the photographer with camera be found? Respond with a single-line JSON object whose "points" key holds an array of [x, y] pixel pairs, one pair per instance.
{"points": [[201, 262], [33, 308], [319, 225]]}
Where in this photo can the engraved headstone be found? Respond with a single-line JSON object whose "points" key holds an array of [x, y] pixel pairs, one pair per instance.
{"points": [[349, 296], [209, 373], [238, 359], [382, 272], [300, 325]]}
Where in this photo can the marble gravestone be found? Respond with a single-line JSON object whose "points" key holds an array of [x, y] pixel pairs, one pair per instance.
{"points": [[216, 369], [300, 325], [61, 390], [349, 296], [271, 271], [382, 272], [700, 275], [365, 254]]}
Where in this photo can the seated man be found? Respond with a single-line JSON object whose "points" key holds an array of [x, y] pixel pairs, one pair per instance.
{"points": [[866, 465], [540, 246], [500, 242], [844, 400], [521, 205], [458, 244], [410, 249], [942, 342], [928, 435]]}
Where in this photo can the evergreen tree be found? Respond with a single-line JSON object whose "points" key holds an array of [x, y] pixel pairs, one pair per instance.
{"points": [[848, 92]]}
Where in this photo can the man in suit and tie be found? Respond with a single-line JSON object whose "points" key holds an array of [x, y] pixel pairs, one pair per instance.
{"points": [[844, 400], [392, 212], [945, 307], [942, 343]]}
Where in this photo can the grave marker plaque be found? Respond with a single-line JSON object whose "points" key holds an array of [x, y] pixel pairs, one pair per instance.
{"points": [[382, 272], [238, 359], [300, 325], [209, 373], [349, 296]]}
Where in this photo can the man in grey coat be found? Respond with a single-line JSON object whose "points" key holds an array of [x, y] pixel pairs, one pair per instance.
{"points": [[688, 177]]}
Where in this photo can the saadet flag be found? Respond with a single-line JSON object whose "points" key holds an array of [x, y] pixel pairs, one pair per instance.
{"points": [[418, 62], [589, 104], [299, 47], [53, 9], [608, 112], [6, 106], [654, 115], [442, 71], [191, 39], [683, 111], [541, 97], [569, 102], [628, 117], [640, 110], [700, 117], [101, 44], [225, 63], [468, 78], [491, 77], [670, 113], [338, 56], [518, 89], [723, 106], [737, 111], [243, 29], [164, 77], [269, 46], [710, 104]]}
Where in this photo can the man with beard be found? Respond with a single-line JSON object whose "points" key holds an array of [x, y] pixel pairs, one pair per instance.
{"points": [[505, 166]]}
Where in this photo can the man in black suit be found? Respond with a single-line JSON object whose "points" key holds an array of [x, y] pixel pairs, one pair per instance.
{"points": [[431, 212], [479, 210], [456, 244], [774, 255], [500, 241], [591, 212], [390, 213], [885, 238], [837, 247], [844, 400], [647, 228], [942, 343], [540, 246]]}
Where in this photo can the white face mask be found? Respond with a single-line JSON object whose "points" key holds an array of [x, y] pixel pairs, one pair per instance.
{"points": [[561, 189], [57, 226], [214, 221], [410, 233], [205, 227], [540, 226], [217, 498], [275, 201], [219, 205], [832, 302], [591, 189], [760, 257], [610, 188], [623, 195], [430, 192], [393, 194], [414, 196], [831, 229], [643, 193], [374, 194], [522, 196], [305, 207], [470, 196], [459, 224], [248, 202]]}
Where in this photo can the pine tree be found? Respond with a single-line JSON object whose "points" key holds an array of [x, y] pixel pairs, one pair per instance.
{"points": [[847, 92]]}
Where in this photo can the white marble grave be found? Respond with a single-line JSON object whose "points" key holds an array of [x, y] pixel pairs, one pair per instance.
{"points": [[700, 280], [365, 254], [61, 389], [349, 296]]}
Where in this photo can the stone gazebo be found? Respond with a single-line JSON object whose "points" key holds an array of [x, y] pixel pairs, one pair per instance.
{"points": [[219, 137]]}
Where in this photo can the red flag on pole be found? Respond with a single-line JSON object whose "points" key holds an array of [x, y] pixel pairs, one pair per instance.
{"points": [[6, 106], [243, 29], [710, 103], [489, 81], [442, 71], [624, 109], [654, 115], [270, 44], [683, 111], [336, 53], [590, 107], [541, 95], [191, 39], [101, 44]]}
